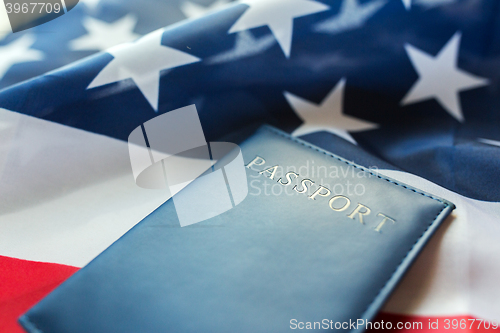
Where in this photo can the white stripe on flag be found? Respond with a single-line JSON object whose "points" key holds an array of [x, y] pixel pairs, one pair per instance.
{"points": [[65, 194]]}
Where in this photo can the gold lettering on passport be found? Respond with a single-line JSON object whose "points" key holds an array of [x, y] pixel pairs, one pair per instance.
{"points": [[256, 161], [288, 178], [337, 203], [385, 219], [304, 186], [271, 171], [326, 192], [344, 207], [361, 210]]}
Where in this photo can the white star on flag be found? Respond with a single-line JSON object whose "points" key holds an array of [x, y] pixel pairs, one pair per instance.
{"points": [[194, 10], [91, 4], [18, 52], [245, 46], [103, 35], [142, 62], [407, 4], [328, 116], [352, 15], [433, 3], [278, 16], [440, 78], [489, 142]]}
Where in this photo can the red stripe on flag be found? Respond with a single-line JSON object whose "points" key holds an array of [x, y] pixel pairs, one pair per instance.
{"points": [[22, 284], [437, 324]]}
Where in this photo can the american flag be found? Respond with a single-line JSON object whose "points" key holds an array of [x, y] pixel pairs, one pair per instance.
{"points": [[409, 86]]}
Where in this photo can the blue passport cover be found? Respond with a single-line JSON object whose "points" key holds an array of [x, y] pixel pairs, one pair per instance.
{"points": [[273, 261]]}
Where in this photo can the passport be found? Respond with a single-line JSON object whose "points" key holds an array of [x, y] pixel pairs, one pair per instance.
{"points": [[318, 240]]}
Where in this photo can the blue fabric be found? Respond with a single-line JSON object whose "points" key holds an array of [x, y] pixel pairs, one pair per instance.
{"points": [[421, 138]]}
